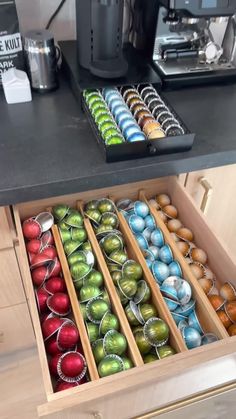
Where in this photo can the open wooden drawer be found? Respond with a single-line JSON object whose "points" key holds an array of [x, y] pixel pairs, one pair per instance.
{"points": [[189, 374]]}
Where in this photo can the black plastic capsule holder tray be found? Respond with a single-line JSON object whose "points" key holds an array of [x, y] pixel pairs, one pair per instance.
{"points": [[140, 149]]}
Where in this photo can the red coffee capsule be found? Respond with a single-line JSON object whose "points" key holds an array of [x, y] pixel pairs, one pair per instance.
{"points": [[33, 246], [71, 367], [54, 268], [40, 260], [31, 229], [51, 346], [39, 275], [51, 326], [49, 251], [47, 239], [53, 363], [54, 285], [67, 336], [63, 385], [41, 298], [59, 303]]}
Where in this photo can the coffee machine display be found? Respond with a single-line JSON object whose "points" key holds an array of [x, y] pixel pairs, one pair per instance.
{"points": [[196, 39]]}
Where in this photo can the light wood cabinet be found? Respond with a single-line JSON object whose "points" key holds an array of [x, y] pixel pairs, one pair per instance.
{"points": [[220, 204], [16, 332], [215, 406], [169, 382]]}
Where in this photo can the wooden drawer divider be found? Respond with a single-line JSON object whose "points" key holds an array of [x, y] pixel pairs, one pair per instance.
{"points": [[92, 368], [206, 314], [115, 301]]}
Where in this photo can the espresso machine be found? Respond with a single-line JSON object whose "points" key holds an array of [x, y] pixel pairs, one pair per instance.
{"points": [[195, 41]]}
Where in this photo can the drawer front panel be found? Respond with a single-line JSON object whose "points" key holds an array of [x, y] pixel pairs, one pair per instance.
{"points": [[217, 405], [12, 291], [15, 329], [148, 387]]}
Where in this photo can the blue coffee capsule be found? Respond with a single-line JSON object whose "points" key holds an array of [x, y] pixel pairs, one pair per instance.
{"points": [[182, 324], [118, 110], [160, 271], [142, 242], [184, 292], [136, 223], [132, 129], [157, 238], [121, 118], [194, 322], [111, 97], [155, 251], [108, 91], [147, 233], [169, 292], [138, 136], [171, 304], [178, 317], [165, 254], [187, 309], [151, 224], [192, 337], [175, 268], [127, 122], [141, 209], [209, 338], [115, 103], [149, 255]]}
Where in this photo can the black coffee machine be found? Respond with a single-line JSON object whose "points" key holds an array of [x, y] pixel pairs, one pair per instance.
{"points": [[192, 41], [99, 37]]}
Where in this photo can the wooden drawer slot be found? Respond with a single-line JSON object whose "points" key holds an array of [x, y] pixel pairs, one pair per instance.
{"points": [[115, 301], [92, 368], [204, 309]]}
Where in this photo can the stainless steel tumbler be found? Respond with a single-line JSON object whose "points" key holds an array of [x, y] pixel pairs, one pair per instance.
{"points": [[41, 56]]}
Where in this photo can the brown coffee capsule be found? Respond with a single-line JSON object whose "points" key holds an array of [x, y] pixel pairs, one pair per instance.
{"points": [[138, 108], [156, 133], [124, 90], [150, 126], [142, 112], [132, 98], [135, 102], [144, 119]]}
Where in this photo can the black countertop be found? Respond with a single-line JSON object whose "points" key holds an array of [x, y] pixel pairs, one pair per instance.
{"points": [[47, 147]]}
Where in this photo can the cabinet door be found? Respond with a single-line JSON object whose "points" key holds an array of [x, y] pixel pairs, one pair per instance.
{"points": [[220, 205]]}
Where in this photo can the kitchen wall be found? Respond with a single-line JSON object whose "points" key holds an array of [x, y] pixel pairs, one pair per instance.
{"points": [[36, 13]]}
